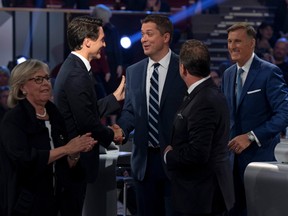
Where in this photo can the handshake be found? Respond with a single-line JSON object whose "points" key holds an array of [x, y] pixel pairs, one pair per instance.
{"points": [[118, 134]]}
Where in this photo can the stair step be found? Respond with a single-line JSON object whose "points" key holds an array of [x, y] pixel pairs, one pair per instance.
{"points": [[213, 29]]}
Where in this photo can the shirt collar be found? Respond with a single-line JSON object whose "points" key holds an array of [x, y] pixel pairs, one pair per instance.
{"points": [[164, 62], [247, 65], [194, 85], [84, 60]]}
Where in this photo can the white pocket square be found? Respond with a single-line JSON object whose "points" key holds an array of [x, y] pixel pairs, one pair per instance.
{"points": [[254, 91]]}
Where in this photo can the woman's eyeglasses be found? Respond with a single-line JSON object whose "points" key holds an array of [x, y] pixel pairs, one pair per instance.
{"points": [[40, 79]]}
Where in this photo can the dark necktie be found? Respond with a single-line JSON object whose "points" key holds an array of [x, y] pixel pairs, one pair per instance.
{"points": [[153, 116], [239, 85]]}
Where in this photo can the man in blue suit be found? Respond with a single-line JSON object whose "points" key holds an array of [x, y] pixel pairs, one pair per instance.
{"points": [[258, 106], [152, 184]]}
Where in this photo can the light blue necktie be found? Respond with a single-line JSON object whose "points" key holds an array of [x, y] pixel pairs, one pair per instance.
{"points": [[239, 85], [153, 116]]}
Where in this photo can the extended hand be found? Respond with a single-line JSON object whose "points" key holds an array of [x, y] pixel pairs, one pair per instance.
{"points": [[118, 134], [119, 93]]}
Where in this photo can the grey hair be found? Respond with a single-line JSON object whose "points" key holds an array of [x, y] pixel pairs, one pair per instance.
{"points": [[20, 74]]}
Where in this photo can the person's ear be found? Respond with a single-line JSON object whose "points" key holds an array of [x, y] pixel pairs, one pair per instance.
{"points": [[167, 37], [87, 42]]}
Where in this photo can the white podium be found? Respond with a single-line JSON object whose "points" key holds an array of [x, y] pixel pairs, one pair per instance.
{"points": [[101, 196], [266, 185]]}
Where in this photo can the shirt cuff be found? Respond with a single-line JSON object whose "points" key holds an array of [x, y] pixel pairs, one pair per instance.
{"points": [[165, 156], [256, 139]]}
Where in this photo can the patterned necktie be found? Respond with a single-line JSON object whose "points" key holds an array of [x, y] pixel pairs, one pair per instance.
{"points": [[239, 85], [153, 116]]}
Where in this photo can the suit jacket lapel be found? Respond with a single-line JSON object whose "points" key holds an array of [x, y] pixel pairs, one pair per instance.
{"points": [[232, 85], [77, 60], [252, 73], [170, 78], [142, 82], [190, 97]]}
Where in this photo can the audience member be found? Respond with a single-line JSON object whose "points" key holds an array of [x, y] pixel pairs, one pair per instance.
{"points": [[280, 55], [34, 156], [150, 119], [281, 19], [157, 6], [4, 76], [4, 92], [147, 5], [18, 59], [257, 98], [264, 37], [75, 96], [112, 50], [216, 77], [197, 157]]}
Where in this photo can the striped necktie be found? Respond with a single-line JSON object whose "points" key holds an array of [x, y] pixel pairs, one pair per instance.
{"points": [[153, 116]]}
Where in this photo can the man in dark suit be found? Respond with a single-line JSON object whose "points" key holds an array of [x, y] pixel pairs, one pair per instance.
{"points": [[198, 157], [152, 184], [258, 106], [75, 96]]}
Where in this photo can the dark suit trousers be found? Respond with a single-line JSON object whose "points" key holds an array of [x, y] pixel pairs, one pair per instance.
{"points": [[153, 193], [72, 200], [240, 208]]}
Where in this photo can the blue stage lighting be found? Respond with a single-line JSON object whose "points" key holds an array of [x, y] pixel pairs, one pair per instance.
{"points": [[188, 12]]}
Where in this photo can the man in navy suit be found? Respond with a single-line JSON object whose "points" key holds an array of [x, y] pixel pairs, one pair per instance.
{"points": [[152, 184], [75, 96], [198, 157], [261, 111]]}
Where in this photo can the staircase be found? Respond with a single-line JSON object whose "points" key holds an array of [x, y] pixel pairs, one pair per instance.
{"points": [[211, 28]]}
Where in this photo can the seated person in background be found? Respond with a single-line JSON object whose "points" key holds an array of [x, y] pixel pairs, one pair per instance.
{"points": [[216, 77], [157, 6], [4, 92], [112, 53], [280, 54], [4, 75], [111, 58], [147, 5], [36, 161], [264, 39]]}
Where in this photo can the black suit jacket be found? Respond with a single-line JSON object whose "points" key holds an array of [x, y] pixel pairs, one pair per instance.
{"points": [[26, 180], [75, 96], [199, 163]]}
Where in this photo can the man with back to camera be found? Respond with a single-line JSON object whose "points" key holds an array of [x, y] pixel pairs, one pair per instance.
{"points": [[152, 118], [257, 98], [197, 157], [75, 96]]}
